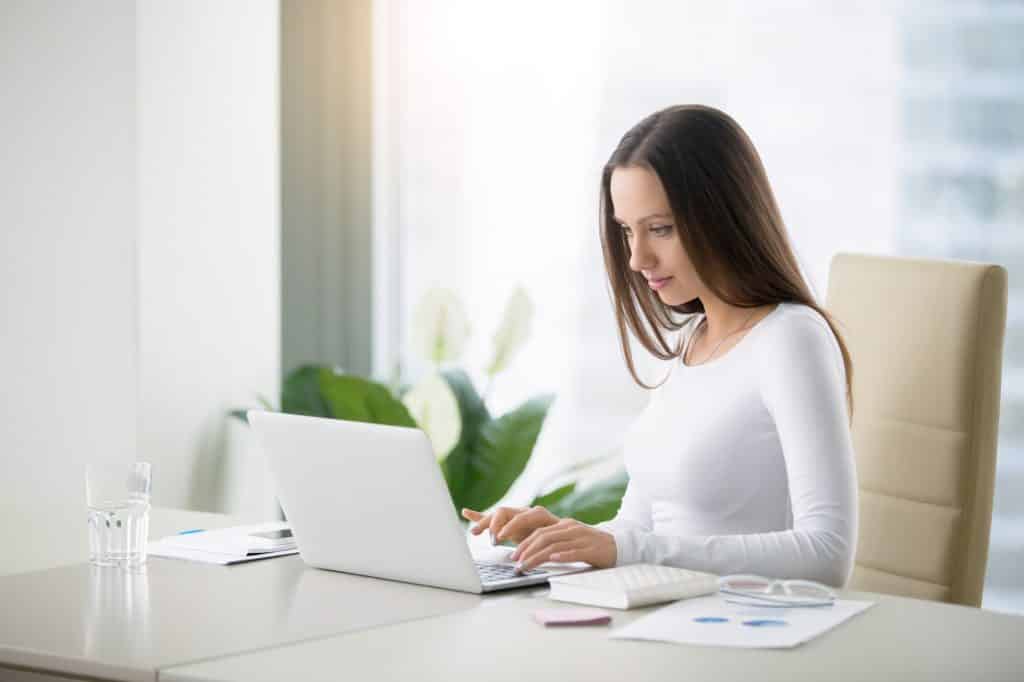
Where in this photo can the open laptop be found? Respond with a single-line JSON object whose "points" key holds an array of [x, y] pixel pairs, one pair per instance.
{"points": [[370, 499]]}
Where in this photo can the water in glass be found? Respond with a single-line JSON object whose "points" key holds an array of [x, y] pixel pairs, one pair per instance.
{"points": [[118, 513], [118, 532]]}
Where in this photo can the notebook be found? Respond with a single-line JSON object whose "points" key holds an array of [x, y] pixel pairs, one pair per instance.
{"points": [[626, 587]]}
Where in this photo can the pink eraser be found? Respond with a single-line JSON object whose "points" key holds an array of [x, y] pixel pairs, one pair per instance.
{"points": [[572, 617]]}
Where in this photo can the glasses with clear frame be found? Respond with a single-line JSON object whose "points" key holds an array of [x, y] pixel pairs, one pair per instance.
{"points": [[772, 592]]}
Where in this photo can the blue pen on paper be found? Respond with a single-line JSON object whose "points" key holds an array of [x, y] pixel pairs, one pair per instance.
{"points": [[193, 530]]}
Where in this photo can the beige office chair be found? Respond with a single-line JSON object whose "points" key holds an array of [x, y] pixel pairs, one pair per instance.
{"points": [[926, 340]]}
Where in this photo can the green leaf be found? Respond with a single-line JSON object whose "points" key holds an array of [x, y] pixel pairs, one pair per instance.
{"points": [[474, 415], [357, 399], [501, 452], [577, 467], [547, 500], [300, 393], [595, 503]]}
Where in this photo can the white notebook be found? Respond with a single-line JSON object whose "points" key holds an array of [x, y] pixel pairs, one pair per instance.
{"points": [[626, 587]]}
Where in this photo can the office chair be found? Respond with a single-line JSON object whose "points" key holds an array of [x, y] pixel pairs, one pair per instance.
{"points": [[926, 340]]}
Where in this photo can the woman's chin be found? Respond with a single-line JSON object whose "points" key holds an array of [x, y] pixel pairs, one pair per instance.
{"points": [[669, 299]]}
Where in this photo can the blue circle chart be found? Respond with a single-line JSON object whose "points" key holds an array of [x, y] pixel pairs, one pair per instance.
{"points": [[765, 623]]}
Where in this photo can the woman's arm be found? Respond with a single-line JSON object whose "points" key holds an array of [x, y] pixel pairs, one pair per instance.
{"points": [[631, 521], [803, 388]]}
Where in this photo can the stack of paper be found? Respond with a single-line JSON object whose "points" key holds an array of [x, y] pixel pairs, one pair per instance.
{"points": [[223, 546]]}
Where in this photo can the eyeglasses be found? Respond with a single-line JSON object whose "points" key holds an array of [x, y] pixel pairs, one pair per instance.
{"points": [[758, 590]]}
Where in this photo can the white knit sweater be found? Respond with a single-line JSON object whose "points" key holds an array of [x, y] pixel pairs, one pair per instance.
{"points": [[745, 464]]}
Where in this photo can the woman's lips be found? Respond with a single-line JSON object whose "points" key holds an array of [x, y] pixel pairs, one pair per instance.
{"points": [[658, 283]]}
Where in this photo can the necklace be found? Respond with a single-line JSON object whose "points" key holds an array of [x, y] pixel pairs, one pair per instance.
{"points": [[741, 328]]}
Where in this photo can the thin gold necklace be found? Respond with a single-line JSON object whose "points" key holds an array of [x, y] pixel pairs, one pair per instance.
{"points": [[741, 328]]}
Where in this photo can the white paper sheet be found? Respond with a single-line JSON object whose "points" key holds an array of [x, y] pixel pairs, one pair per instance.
{"points": [[677, 623], [156, 549], [221, 546]]}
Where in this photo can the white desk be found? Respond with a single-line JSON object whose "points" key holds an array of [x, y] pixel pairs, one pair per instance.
{"points": [[80, 620], [277, 620], [33, 542], [897, 639]]}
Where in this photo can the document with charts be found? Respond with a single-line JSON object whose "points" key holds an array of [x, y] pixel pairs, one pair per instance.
{"points": [[711, 621]]}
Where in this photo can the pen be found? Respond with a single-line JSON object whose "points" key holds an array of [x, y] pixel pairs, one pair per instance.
{"points": [[194, 530]]}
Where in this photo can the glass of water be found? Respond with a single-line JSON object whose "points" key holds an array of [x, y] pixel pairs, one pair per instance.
{"points": [[118, 499]]}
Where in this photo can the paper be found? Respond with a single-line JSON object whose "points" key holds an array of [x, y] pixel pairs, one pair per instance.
{"points": [[223, 546], [711, 621], [172, 552]]}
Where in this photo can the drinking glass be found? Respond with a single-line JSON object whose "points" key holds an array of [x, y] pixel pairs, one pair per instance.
{"points": [[118, 500]]}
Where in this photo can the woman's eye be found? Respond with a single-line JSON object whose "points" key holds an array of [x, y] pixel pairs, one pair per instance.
{"points": [[661, 230]]}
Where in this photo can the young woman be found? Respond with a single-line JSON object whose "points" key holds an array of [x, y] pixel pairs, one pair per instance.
{"points": [[742, 462]]}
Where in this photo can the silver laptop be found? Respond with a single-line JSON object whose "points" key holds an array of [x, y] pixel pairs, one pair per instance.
{"points": [[370, 499]]}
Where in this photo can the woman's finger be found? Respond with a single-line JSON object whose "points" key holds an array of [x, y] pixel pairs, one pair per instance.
{"points": [[500, 517], [525, 522], [482, 521], [545, 536], [543, 554]]}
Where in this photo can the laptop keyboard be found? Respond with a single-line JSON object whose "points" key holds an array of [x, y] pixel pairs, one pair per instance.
{"points": [[490, 573]]}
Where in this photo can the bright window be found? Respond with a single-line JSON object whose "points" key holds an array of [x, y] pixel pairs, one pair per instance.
{"points": [[884, 127]]}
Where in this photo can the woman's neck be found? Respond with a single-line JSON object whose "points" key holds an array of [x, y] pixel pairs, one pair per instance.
{"points": [[722, 319]]}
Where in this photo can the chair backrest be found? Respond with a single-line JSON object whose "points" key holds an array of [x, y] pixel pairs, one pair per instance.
{"points": [[926, 340]]}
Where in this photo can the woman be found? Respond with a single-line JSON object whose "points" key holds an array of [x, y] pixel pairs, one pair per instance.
{"points": [[742, 462]]}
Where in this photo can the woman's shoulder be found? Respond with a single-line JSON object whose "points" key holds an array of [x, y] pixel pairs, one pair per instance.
{"points": [[796, 325]]}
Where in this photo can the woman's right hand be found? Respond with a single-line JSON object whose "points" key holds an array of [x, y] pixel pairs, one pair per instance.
{"points": [[510, 523]]}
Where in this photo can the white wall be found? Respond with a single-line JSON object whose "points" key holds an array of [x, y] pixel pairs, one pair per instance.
{"points": [[209, 252], [68, 205], [138, 243]]}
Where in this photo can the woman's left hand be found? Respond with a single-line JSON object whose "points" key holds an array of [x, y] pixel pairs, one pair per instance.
{"points": [[566, 541]]}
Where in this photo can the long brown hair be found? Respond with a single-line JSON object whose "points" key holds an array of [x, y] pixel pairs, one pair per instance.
{"points": [[726, 218]]}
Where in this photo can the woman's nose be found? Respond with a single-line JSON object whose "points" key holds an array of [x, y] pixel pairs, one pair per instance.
{"points": [[640, 257]]}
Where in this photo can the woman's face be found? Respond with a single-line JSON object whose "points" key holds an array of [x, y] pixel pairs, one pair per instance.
{"points": [[643, 212]]}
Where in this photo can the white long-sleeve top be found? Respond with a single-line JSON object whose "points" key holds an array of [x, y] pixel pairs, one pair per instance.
{"points": [[745, 464]]}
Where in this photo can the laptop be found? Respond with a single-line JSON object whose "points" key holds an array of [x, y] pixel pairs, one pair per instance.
{"points": [[370, 499]]}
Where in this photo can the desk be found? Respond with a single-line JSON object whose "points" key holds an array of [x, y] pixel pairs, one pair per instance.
{"points": [[896, 639], [278, 620], [81, 620], [33, 542]]}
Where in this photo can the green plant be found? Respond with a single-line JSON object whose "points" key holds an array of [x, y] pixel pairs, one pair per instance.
{"points": [[480, 455]]}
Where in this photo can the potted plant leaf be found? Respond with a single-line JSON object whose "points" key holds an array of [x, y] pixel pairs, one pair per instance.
{"points": [[480, 454]]}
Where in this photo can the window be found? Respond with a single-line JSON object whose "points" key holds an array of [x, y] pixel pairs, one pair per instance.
{"points": [[887, 128]]}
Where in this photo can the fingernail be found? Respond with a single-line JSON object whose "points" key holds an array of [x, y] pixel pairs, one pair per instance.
{"points": [[519, 567]]}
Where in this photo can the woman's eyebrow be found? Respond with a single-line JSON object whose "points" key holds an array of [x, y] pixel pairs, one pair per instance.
{"points": [[644, 219]]}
